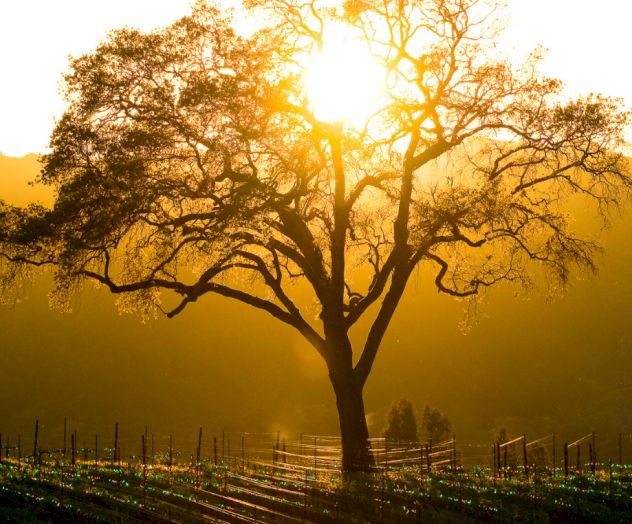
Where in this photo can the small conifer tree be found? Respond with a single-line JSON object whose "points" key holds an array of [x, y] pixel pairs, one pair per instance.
{"points": [[435, 425], [401, 422]]}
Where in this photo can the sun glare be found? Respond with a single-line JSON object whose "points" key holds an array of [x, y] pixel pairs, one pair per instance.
{"points": [[343, 81]]}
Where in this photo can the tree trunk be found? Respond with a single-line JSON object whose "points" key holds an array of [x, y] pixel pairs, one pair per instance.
{"points": [[356, 454]]}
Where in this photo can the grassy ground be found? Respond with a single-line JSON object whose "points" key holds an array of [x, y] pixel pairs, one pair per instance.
{"points": [[131, 492]]}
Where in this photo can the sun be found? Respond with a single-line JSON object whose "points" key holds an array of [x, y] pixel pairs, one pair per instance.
{"points": [[343, 81]]}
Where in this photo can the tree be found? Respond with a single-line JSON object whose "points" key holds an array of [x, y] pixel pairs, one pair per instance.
{"points": [[435, 425], [509, 453], [538, 455], [401, 423], [190, 162]]}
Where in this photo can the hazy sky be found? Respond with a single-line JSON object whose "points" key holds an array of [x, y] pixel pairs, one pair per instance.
{"points": [[589, 44]]}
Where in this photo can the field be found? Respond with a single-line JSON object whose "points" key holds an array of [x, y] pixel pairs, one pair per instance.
{"points": [[268, 480]]}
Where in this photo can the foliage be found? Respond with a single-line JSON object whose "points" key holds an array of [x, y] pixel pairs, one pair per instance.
{"points": [[435, 425], [510, 451], [401, 423], [181, 493], [538, 455], [190, 162]]}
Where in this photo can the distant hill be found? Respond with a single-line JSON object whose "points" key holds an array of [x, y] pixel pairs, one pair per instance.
{"points": [[15, 176]]}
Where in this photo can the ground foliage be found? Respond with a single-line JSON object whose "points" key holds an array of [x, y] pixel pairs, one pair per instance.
{"points": [[264, 493]]}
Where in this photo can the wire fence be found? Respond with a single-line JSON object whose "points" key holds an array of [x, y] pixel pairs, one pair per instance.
{"points": [[321, 452], [271, 477]]}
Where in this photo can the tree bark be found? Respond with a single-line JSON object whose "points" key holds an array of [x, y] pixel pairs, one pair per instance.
{"points": [[356, 455]]}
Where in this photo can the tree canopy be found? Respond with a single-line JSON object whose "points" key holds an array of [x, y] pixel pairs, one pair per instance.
{"points": [[190, 161], [435, 426], [401, 423]]}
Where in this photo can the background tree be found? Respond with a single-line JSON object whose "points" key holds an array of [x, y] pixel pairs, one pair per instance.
{"points": [[435, 425], [191, 161], [510, 451], [538, 456], [401, 423]]}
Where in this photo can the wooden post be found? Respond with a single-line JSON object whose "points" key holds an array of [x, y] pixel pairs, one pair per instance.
{"points": [[72, 448], [228, 450], [565, 459], [223, 446], [115, 443], [96, 452], [524, 454], [85, 452], [620, 454], [301, 448], [64, 448], [152, 449], [35, 442], [284, 460], [7, 448], [19, 452], [386, 454], [314, 457], [144, 458], [198, 452], [591, 458], [453, 453], [494, 460], [579, 467], [505, 460], [428, 458], [243, 462], [0, 447], [554, 464], [594, 453], [170, 455], [215, 450], [498, 457]]}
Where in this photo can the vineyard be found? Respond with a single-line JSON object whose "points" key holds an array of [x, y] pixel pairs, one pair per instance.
{"points": [[266, 478]]}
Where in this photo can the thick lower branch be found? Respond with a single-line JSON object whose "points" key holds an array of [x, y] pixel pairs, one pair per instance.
{"points": [[380, 324], [192, 293], [374, 293], [303, 327]]}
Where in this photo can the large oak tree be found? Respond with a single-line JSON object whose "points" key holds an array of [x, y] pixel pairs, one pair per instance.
{"points": [[190, 161]]}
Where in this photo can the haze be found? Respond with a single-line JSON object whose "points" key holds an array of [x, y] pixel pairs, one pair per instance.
{"points": [[529, 364]]}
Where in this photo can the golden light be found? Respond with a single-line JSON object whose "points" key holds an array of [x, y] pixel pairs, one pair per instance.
{"points": [[343, 82]]}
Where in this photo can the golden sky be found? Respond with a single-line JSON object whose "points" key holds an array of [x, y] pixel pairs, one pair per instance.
{"points": [[589, 44]]}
